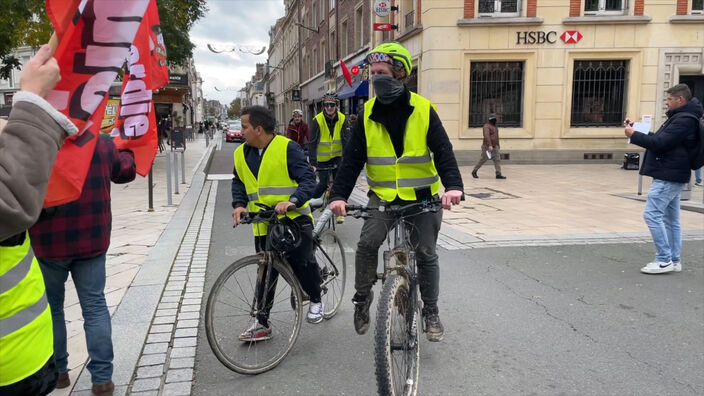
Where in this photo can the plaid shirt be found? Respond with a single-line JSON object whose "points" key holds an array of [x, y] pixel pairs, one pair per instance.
{"points": [[81, 229]]}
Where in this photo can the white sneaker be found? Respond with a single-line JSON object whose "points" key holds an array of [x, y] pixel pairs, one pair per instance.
{"points": [[256, 332], [677, 266], [315, 313], [658, 267]]}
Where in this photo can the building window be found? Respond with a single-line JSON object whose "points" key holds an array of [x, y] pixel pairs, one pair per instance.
{"points": [[322, 10], [599, 93], [332, 5], [697, 6], [409, 13], [499, 7], [496, 87], [343, 40], [605, 7], [332, 53], [323, 57], [358, 28]]}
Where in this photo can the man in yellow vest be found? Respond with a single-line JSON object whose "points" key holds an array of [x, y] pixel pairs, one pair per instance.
{"points": [[259, 177], [28, 146], [325, 148], [407, 153]]}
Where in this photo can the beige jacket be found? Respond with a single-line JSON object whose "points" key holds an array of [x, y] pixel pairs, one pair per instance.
{"points": [[29, 142]]}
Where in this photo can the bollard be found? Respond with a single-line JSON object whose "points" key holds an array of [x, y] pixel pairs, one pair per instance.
{"points": [[175, 173], [640, 177], [151, 192], [168, 178], [183, 167]]}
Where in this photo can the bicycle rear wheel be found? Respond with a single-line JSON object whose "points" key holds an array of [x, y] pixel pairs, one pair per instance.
{"points": [[330, 256], [233, 307], [396, 351]]}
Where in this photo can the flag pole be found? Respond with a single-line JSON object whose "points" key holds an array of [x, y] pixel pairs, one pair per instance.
{"points": [[54, 42]]}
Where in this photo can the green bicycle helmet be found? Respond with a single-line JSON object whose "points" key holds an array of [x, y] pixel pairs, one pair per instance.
{"points": [[393, 53]]}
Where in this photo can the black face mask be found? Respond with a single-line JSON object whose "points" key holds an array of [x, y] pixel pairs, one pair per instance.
{"points": [[387, 88]]}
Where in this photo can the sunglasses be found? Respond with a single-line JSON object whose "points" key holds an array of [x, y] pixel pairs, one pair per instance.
{"points": [[329, 104]]}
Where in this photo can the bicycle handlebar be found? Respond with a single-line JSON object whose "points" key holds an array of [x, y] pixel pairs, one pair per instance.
{"points": [[266, 214], [432, 205]]}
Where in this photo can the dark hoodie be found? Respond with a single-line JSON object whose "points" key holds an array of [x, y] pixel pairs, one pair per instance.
{"points": [[666, 156]]}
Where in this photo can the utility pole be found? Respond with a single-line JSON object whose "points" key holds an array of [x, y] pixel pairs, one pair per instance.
{"points": [[300, 45]]}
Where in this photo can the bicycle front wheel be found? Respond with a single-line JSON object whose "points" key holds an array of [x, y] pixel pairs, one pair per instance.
{"points": [[330, 256], [249, 329], [396, 351]]}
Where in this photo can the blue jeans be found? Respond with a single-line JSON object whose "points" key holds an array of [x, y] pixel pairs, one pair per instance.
{"points": [[89, 277], [662, 215], [698, 175]]}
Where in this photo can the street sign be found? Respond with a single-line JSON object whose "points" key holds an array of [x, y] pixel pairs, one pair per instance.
{"points": [[382, 8], [384, 27]]}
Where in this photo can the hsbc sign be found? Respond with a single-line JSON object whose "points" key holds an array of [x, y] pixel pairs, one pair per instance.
{"points": [[540, 37]]}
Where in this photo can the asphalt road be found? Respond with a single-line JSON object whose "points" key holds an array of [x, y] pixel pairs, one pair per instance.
{"points": [[563, 320]]}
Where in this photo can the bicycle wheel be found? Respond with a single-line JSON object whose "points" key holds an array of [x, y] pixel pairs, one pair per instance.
{"points": [[233, 307], [330, 256], [396, 347]]}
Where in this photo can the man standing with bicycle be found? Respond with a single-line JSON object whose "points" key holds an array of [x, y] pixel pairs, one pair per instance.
{"points": [[259, 177], [326, 143], [394, 137]]}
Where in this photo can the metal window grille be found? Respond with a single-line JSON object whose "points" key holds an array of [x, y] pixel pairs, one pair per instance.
{"points": [[496, 87], [599, 93], [498, 6], [698, 5], [410, 19], [604, 6]]}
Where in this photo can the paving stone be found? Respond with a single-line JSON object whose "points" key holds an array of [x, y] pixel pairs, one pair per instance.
{"points": [[168, 305], [165, 312], [159, 347], [185, 342], [159, 337], [192, 301], [150, 360], [172, 293], [164, 320], [182, 363], [189, 315], [150, 371], [177, 278], [190, 308], [183, 352], [177, 389], [162, 328], [189, 332], [169, 299], [146, 384], [186, 323], [149, 393], [193, 295], [179, 375]]}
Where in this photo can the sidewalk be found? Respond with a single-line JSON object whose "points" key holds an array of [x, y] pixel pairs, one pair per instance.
{"points": [[135, 231]]}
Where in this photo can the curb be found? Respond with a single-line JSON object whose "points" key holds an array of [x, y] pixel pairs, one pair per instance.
{"points": [[135, 312]]}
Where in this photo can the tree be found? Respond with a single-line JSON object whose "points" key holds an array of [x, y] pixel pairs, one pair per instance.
{"points": [[25, 23], [235, 109]]}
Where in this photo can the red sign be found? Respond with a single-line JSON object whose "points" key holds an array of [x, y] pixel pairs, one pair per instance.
{"points": [[571, 37], [355, 70], [384, 27]]}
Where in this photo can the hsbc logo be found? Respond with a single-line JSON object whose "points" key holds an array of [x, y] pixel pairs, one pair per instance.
{"points": [[571, 37], [540, 37]]}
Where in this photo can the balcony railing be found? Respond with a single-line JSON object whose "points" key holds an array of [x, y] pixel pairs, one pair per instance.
{"points": [[410, 19]]}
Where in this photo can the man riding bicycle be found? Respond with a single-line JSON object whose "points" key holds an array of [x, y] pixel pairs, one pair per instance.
{"points": [[272, 170], [394, 136], [325, 149]]}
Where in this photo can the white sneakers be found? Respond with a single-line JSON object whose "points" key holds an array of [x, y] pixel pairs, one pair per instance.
{"points": [[315, 313], [660, 267]]}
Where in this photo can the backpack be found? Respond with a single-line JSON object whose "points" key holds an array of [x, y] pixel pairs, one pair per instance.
{"points": [[696, 151]]}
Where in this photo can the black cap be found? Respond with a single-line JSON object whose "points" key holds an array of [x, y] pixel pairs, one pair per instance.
{"points": [[492, 116]]}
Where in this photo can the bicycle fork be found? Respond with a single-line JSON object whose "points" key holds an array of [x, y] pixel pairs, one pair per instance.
{"points": [[265, 283]]}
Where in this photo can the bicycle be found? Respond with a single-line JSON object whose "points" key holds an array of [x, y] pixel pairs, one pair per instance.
{"points": [[250, 282], [396, 336], [326, 219]]}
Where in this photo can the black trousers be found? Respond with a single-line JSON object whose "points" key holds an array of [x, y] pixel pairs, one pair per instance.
{"points": [[302, 261], [38, 384], [324, 175], [424, 235]]}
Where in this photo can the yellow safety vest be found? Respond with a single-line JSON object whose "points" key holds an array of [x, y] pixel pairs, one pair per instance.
{"points": [[26, 332], [390, 177], [330, 147], [272, 185]]}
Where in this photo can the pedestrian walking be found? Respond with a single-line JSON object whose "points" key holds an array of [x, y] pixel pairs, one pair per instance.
{"points": [[490, 147], [73, 238], [667, 162], [29, 141]]}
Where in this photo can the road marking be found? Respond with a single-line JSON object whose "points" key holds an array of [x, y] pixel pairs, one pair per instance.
{"points": [[220, 176]]}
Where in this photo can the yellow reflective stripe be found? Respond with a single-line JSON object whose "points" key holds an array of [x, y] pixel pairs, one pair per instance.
{"points": [[381, 160], [24, 317], [409, 159], [14, 276], [418, 182]]}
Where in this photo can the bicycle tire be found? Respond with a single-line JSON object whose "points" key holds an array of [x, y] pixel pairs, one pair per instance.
{"points": [[330, 255], [225, 344], [394, 377]]}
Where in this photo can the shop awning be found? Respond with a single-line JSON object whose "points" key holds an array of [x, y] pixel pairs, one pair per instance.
{"points": [[358, 88]]}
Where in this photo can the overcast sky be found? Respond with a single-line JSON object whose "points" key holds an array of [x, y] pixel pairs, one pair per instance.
{"points": [[232, 22]]}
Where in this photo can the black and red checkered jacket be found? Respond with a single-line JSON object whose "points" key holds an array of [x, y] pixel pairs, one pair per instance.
{"points": [[81, 229]]}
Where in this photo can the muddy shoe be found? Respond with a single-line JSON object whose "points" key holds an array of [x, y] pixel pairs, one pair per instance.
{"points": [[434, 329], [361, 313]]}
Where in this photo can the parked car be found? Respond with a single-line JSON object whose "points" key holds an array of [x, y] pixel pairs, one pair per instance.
{"points": [[234, 132]]}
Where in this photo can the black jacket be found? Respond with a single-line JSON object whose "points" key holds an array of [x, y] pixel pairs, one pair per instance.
{"points": [[298, 169], [394, 116], [666, 156]]}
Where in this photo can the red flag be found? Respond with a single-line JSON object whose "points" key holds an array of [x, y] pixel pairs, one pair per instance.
{"points": [[135, 126], [92, 50], [60, 14]]}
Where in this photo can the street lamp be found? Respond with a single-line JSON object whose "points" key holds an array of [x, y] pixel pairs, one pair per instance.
{"points": [[236, 47]]}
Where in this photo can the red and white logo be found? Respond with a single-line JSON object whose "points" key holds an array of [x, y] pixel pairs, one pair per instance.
{"points": [[571, 37]]}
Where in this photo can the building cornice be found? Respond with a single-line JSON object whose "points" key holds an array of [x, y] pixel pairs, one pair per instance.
{"points": [[612, 19], [687, 19], [500, 21]]}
